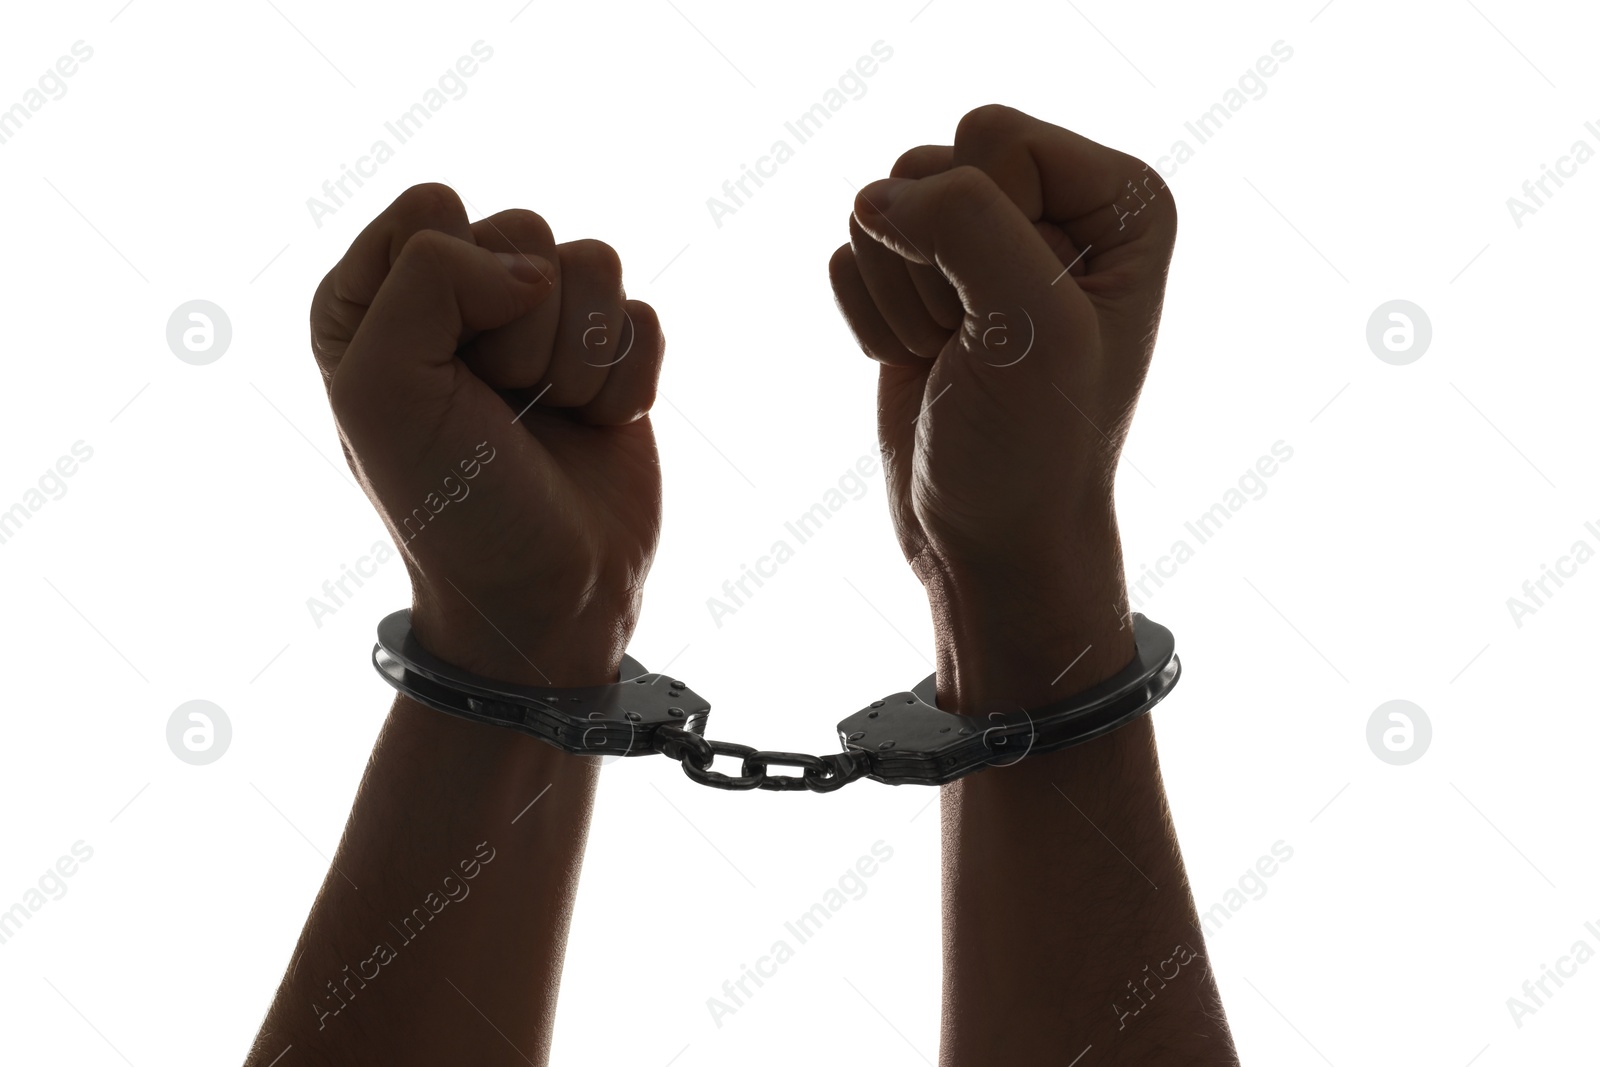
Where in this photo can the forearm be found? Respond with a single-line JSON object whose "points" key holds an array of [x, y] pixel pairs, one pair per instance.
{"points": [[1068, 920], [527, 532], [438, 935]]}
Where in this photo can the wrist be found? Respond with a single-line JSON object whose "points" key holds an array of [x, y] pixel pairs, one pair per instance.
{"points": [[1024, 633], [578, 649]]}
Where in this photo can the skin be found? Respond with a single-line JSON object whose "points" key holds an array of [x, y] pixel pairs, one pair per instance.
{"points": [[1063, 886], [430, 345], [1062, 877]]}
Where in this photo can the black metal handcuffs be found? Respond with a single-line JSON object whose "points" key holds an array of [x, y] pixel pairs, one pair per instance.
{"points": [[902, 739]]}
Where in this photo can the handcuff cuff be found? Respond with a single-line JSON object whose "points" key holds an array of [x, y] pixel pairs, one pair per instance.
{"points": [[903, 739]]}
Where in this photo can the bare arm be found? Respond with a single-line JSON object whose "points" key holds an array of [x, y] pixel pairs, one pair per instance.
{"points": [[527, 529], [1069, 927], [1010, 285], [438, 934]]}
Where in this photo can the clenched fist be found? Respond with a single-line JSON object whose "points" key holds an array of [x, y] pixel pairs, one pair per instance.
{"points": [[1010, 286], [491, 389]]}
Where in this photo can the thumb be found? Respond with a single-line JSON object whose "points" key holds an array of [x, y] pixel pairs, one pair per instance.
{"points": [[964, 224], [402, 360]]}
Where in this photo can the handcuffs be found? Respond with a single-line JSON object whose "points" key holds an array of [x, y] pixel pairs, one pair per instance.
{"points": [[905, 738]]}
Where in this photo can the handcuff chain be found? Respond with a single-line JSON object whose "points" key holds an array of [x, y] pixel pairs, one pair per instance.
{"points": [[819, 774]]}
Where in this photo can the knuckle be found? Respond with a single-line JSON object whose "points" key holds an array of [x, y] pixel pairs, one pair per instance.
{"points": [[429, 202], [986, 126], [910, 161], [841, 265], [524, 228], [1152, 183], [596, 260], [644, 316], [969, 186], [970, 199], [327, 292], [1163, 189], [425, 243], [333, 318], [424, 252]]}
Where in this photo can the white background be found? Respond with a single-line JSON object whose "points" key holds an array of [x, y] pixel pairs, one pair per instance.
{"points": [[1377, 566]]}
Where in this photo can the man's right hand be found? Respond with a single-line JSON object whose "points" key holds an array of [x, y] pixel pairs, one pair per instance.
{"points": [[1010, 286]]}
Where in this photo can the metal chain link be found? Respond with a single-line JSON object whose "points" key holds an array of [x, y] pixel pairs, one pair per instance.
{"points": [[819, 774]]}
